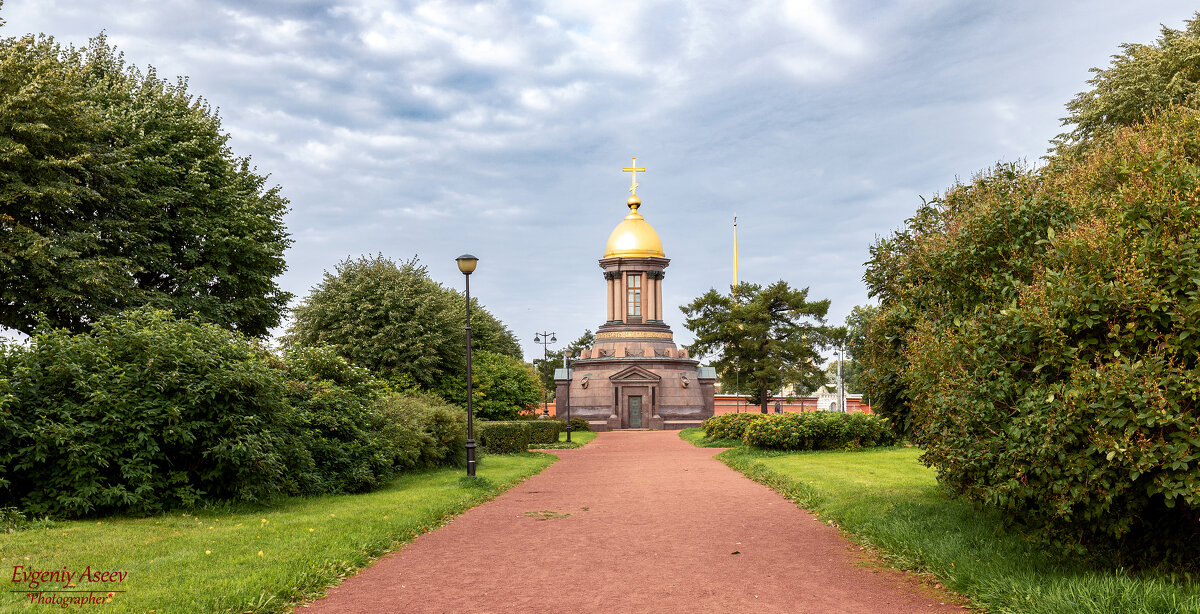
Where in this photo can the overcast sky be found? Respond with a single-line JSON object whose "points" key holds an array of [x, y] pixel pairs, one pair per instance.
{"points": [[499, 129]]}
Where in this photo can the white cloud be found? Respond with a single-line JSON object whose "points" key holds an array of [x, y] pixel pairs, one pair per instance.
{"points": [[438, 127]]}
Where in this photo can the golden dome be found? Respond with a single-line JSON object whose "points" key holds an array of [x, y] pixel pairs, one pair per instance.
{"points": [[634, 237]]}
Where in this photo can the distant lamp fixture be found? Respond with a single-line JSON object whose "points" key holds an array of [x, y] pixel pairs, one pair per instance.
{"points": [[545, 338], [466, 263]]}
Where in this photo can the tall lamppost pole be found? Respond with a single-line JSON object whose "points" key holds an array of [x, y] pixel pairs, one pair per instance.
{"points": [[466, 264], [737, 385], [841, 382], [566, 353], [545, 339]]}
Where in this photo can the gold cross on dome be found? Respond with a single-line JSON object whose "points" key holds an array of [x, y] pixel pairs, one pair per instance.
{"points": [[633, 181]]}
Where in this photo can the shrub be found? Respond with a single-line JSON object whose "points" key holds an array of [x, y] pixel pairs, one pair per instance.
{"points": [[143, 413], [502, 437], [345, 444], [544, 431], [1052, 372], [353, 434], [729, 426], [580, 425], [13, 520], [443, 428], [817, 431]]}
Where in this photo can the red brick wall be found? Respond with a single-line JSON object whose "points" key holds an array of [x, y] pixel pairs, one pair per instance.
{"points": [[728, 404]]}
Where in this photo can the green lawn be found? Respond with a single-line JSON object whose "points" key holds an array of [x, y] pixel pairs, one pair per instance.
{"points": [[243, 559], [886, 498], [578, 440]]}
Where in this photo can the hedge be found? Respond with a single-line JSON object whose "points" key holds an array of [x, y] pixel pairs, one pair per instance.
{"points": [[544, 431], [729, 426], [818, 431], [505, 437]]}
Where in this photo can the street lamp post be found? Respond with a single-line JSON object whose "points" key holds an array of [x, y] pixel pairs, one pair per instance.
{"points": [[737, 385], [567, 353], [841, 381], [466, 264], [545, 339]]}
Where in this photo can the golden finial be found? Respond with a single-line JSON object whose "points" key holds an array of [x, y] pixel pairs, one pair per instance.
{"points": [[633, 180]]}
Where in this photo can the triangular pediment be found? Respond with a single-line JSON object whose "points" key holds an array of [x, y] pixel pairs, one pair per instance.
{"points": [[634, 373]]}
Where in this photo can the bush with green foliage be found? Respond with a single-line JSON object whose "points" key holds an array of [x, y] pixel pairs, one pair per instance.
{"points": [[729, 426], [1053, 369], [1139, 80], [502, 386], [442, 429], [120, 190], [579, 425], [148, 412], [353, 434], [503, 437], [143, 413], [820, 430], [393, 319], [544, 431], [343, 443], [13, 520]]}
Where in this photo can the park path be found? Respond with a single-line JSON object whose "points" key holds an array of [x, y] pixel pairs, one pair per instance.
{"points": [[655, 525]]}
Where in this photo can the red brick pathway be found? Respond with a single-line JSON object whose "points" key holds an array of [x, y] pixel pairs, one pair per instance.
{"points": [[654, 524]]}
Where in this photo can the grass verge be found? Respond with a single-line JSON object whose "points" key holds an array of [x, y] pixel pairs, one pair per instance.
{"points": [[696, 437], [251, 559], [578, 440], [885, 498]]}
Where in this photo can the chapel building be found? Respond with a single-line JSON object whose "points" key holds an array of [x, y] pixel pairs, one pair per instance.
{"points": [[635, 377]]}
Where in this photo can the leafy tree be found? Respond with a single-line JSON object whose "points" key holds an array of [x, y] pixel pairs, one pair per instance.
{"points": [[1037, 330], [502, 386], [1138, 81], [857, 324], [767, 335], [393, 319], [545, 368], [852, 337], [584, 342], [118, 189], [850, 375]]}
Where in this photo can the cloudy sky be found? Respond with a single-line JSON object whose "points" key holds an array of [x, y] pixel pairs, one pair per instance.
{"points": [[500, 128]]}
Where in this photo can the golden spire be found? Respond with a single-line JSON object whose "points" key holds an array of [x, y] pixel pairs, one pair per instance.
{"points": [[735, 272]]}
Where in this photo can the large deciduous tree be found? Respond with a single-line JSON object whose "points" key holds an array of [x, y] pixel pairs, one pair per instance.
{"points": [[764, 337], [393, 319], [119, 189]]}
